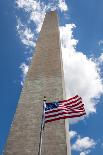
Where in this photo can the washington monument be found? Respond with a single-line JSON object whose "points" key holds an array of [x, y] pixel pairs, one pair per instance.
{"points": [[44, 78]]}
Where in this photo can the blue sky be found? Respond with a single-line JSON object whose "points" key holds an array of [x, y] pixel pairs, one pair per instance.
{"points": [[81, 31]]}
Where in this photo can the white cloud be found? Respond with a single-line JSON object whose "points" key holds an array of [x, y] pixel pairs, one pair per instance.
{"points": [[36, 10], [100, 42], [85, 152], [28, 5], [37, 18], [62, 5], [24, 68], [72, 134], [82, 153], [81, 73], [33, 5], [101, 58], [26, 35], [83, 144]]}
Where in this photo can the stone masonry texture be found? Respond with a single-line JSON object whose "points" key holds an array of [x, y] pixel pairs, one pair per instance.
{"points": [[44, 78]]}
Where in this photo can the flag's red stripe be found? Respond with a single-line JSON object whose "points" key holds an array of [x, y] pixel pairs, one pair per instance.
{"points": [[71, 102], [70, 106], [64, 117], [75, 106], [59, 109], [62, 101], [62, 108], [66, 107], [78, 107], [64, 112], [73, 98]]}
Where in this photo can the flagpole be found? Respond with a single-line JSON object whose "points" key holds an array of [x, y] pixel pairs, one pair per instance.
{"points": [[42, 126]]}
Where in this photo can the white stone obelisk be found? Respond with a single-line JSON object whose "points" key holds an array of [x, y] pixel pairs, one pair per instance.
{"points": [[44, 78]]}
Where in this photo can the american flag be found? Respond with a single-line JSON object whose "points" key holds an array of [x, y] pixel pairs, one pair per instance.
{"points": [[70, 108]]}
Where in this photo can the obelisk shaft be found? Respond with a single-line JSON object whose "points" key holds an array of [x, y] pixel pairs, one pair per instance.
{"points": [[45, 78]]}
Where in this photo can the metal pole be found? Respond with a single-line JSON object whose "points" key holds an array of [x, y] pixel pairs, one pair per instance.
{"points": [[42, 126]]}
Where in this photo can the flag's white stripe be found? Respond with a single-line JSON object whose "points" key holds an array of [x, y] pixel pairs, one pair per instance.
{"points": [[76, 106], [66, 107], [63, 115], [70, 101], [72, 105], [67, 111], [63, 108]]}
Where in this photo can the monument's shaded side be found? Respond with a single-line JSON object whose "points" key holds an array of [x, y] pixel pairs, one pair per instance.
{"points": [[44, 78]]}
